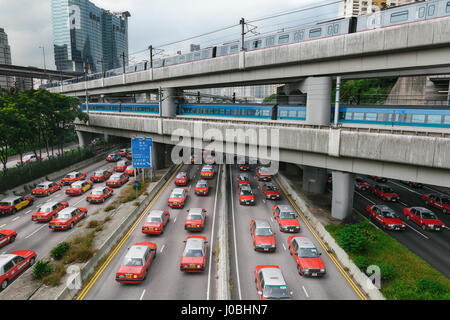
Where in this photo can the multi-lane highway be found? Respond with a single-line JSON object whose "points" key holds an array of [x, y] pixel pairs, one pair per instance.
{"points": [[431, 246], [165, 280], [37, 236], [336, 284]]}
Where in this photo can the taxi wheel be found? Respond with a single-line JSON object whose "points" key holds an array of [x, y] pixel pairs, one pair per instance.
{"points": [[14, 211], [384, 226], [444, 211], [299, 270], [426, 203], [424, 227], [71, 225], [408, 217], [4, 284], [12, 239], [32, 260]]}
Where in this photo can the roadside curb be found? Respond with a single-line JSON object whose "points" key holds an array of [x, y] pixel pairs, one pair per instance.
{"points": [[363, 281], [88, 268], [223, 286]]}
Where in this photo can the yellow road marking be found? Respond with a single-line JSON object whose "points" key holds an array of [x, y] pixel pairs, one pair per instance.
{"points": [[332, 257], [124, 239]]}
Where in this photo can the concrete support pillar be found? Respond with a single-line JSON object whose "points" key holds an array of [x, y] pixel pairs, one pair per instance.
{"points": [[106, 137], [159, 155], [314, 179], [318, 100], [343, 191], [170, 98], [143, 97], [83, 138]]}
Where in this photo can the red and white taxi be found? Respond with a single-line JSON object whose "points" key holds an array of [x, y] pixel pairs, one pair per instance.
{"points": [[182, 179], [101, 175], [45, 188], [13, 264], [384, 192], [134, 267], [72, 177], [129, 171], [195, 220], [11, 205], [271, 191], [121, 165], [286, 218], [117, 180], [155, 222], [207, 172], [78, 188], [426, 219], [193, 258], [243, 163], [243, 179], [177, 198], [99, 195], [386, 217], [360, 184], [47, 211], [67, 218], [201, 188], [246, 196], [263, 174], [441, 202], [308, 260], [113, 157], [123, 152], [7, 236], [262, 235], [270, 283]]}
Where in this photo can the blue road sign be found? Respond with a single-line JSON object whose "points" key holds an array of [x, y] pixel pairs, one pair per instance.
{"points": [[142, 152]]}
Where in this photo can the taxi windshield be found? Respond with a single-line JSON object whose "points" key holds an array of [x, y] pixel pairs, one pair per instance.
{"points": [[132, 262], [97, 192], [41, 186], [70, 176], [246, 192], [287, 215], [194, 216], [4, 203], [389, 214], [446, 200], [45, 209], [154, 219], [271, 187], [276, 292], [63, 216], [177, 195], [387, 189], [428, 215], [193, 253], [202, 185], [308, 253], [98, 173], [263, 232]]}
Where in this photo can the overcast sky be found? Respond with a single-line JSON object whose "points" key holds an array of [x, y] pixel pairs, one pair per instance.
{"points": [[28, 22]]}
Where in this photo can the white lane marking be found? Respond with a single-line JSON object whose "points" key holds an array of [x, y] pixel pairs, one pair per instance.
{"points": [[175, 219], [403, 204], [28, 211], [364, 197], [78, 201], [142, 295], [162, 248], [404, 187], [416, 231], [234, 234], [3, 225], [284, 247], [35, 231], [306, 293], [212, 235], [16, 218]]}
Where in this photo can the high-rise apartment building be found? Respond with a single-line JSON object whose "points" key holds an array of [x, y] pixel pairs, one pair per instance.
{"points": [[353, 8], [5, 58], [88, 37]]}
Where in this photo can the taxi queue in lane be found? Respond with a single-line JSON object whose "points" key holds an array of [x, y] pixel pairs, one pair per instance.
{"points": [[58, 215]]}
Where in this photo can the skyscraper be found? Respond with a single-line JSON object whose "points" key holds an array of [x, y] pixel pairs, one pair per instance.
{"points": [[86, 36], [349, 8], [5, 58]]}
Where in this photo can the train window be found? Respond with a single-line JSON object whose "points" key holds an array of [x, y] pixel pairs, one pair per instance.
{"points": [[342, 115], [314, 33], [256, 44], [266, 113], [371, 117], [223, 50], [399, 16], [421, 12], [418, 118], [181, 59], [270, 41], [205, 54], [431, 10], [348, 116], [292, 114], [301, 114], [297, 36], [336, 28], [358, 116], [330, 30], [447, 119], [434, 118], [244, 112], [283, 39], [283, 114], [448, 7], [234, 48]]}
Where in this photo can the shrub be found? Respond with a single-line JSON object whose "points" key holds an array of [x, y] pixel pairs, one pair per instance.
{"points": [[388, 271], [60, 250], [93, 224], [353, 239], [362, 263], [54, 279], [430, 286], [42, 269], [109, 208]]}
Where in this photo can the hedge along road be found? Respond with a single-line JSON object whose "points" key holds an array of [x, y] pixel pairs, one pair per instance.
{"points": [[164, 281]]}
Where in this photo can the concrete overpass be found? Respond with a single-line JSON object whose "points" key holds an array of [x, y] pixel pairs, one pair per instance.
{"points": [[36, 73], [401, 50]]}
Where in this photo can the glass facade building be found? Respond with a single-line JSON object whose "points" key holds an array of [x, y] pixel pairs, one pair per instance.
{"points": [[86, 36]]}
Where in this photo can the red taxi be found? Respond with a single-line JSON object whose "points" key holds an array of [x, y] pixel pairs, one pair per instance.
{"points": [[117, 180], [67, 218], [100, 175], [99, 195], [384, 192], [441, 202], [12, 204], [72, 177], [386, 217], [246, 196], [113, 157], [243, 179], [263, 174], [78, 188], [129, 171], [308, 260], [121, 165], [134, 267], [155, 222], [193, 258], [182, 179], [270, 283], [14, 263], [207, 172], [360, 184], [177, 198], [195, 220], [45, 188], [271, 191], [201, 188], [426, 219], [286, 218], [7, 236], [263, 236], [47, 211]]}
